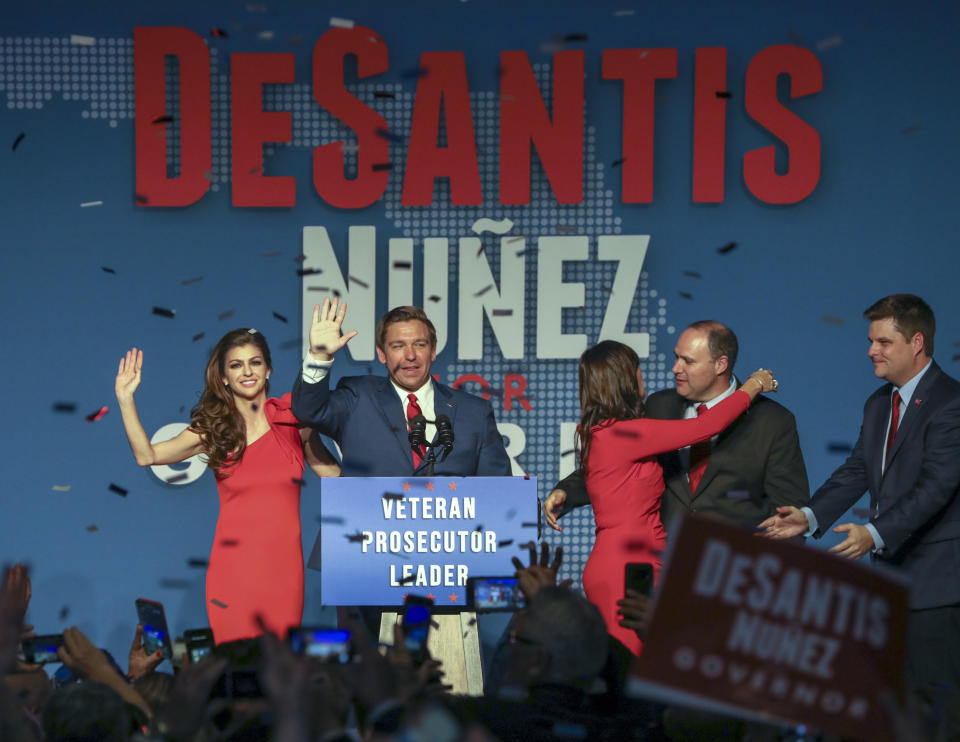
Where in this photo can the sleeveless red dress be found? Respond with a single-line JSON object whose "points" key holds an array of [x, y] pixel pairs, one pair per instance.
{"points": [[256, 563], [625, 485]]}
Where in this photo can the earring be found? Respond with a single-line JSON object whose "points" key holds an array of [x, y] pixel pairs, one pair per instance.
{"points": [[226, 384]]}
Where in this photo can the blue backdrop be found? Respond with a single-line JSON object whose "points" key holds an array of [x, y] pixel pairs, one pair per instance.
{"points": [[880, 220]]}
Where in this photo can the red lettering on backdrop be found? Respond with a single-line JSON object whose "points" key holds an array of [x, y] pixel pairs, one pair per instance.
{"points": [[442, 90], [151, 47], [639, 69], [330, 92], [514, 385], [802, 140], [709, 124], [524, 121], [251, 126], [463, 379]]}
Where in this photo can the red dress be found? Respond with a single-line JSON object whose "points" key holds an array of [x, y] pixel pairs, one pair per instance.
{"points": [[625, 484], [256, 563]]}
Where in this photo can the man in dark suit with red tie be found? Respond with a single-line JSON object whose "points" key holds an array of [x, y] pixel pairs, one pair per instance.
{"points": [[908, 457], [744, 473]]}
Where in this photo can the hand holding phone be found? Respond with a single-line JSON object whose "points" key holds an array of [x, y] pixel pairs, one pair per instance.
{"points": [[416, 627], [199, 643], [156, 636], [638, 576]]}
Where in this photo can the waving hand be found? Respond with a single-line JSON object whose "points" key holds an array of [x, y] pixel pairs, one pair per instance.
{"points": [[128, 375], [325, 337]]}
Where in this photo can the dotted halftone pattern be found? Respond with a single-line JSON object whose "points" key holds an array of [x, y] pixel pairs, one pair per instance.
{"points": [[35, 71]]}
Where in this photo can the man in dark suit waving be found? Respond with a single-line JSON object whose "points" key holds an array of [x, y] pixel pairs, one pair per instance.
{"points": [[743, 474], [908, 457], [368, 415]]}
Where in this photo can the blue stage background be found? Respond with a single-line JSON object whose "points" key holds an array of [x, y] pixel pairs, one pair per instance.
{"points": [[881, 219]]}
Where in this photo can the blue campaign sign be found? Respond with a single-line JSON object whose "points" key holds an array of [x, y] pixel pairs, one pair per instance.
{"points": [[384, 537]]}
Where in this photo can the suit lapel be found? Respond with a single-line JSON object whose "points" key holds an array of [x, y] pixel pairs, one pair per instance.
{"points": [[717, 456], [914, 410], [389, 405], [679, 485], [444, 404]]}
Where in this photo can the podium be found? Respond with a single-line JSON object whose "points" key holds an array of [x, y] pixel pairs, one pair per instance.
{"points": [[384, 537]]}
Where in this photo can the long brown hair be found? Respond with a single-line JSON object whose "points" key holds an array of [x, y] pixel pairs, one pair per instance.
{"points": [[215, 418], [608, 389]]}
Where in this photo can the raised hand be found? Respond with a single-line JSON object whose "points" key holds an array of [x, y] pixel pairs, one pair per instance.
{"points": [[539, 573], [139, 663], [128, 375], [325, 331]]}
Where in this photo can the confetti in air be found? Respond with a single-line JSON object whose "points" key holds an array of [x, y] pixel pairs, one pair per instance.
{"points": [[94, 416], [117, 489], [162, 312]]}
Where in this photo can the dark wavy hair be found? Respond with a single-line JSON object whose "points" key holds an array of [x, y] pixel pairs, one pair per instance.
{"points": [[608, 390], [215, 418]]}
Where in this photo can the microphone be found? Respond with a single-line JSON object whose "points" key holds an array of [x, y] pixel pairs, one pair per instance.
{"points": [[445, 434], [418, 433]]}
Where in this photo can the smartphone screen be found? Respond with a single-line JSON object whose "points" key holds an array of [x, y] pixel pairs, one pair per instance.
{"points": [[199, 643], [39, 650], [156, 637], [416, 626], [494, 594], [331, 645], [638, 576]]}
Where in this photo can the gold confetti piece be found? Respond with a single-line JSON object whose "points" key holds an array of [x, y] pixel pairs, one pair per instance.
{"points": [[61, 488], [341, 22]]}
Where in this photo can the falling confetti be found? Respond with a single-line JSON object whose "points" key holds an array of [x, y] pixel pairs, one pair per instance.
{"points": [[414, 73], [226, 315], [402, 265], [61, 488], [94, 416], [167, 119], [218, 603], [117, 489], [354, 537], [64, 407], [160, 311], [82, 40], [219, 33], [570, 37], [727, 248], [92, 529], [692, 274], [433, 297], [64, 612], [333, 520], [686, 294], [341, 22], [910, 129], [568, 452], [506, 542], [838, 447], [484, 290], [392, 496], [383, 94], [16, 142], [388, 135], [618, 163], [188, 281], [357, 281], [724, 94], [502, 312], [309, 271], [198, 336], [177, 478], [300, 482], [829, 43], [87, 204], [377, 166], [197, 563], [280, 317], [140, 198]]}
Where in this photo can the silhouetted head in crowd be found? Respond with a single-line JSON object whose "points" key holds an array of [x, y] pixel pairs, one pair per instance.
{"points": [[155, 688], [89, 712], [560, 638]]}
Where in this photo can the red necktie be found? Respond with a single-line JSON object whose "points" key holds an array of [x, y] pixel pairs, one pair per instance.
{"points": [[894, 419], [413, 409], [699, 456]]}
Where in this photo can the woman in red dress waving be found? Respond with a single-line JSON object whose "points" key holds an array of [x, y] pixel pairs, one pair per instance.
{"points": [[256, 449], [617, 447]]}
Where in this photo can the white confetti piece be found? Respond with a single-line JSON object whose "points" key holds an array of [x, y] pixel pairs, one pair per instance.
{"points": [[87, 204], [829, 43], [265, 35], [349, 147], [61, 488], [82, 40], [624, 12], [341, 22]]}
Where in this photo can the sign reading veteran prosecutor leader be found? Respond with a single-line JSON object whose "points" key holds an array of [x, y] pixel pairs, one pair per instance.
{"points": [[774, 629], [382, 537]]}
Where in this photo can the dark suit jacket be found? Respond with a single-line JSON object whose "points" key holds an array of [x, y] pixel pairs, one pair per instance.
{"points": [[754, 467], [914, 502], [366, 418]]}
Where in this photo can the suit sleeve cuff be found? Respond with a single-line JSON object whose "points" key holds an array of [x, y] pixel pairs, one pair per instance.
{"points": [[315, 371], [878, 544], [811, 521]]}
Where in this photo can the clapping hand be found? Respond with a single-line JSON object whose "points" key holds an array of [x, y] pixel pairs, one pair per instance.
{"points": [[787, 523], [325, 337], [128, 375]]}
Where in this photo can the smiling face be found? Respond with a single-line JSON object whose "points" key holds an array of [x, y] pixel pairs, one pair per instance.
{"points": [[895, 358], [699, 377], [245, 371], [407, 353]]}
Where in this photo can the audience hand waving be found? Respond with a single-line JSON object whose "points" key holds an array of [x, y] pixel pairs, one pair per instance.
{"points": [[538, 574], [325, 331]]}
